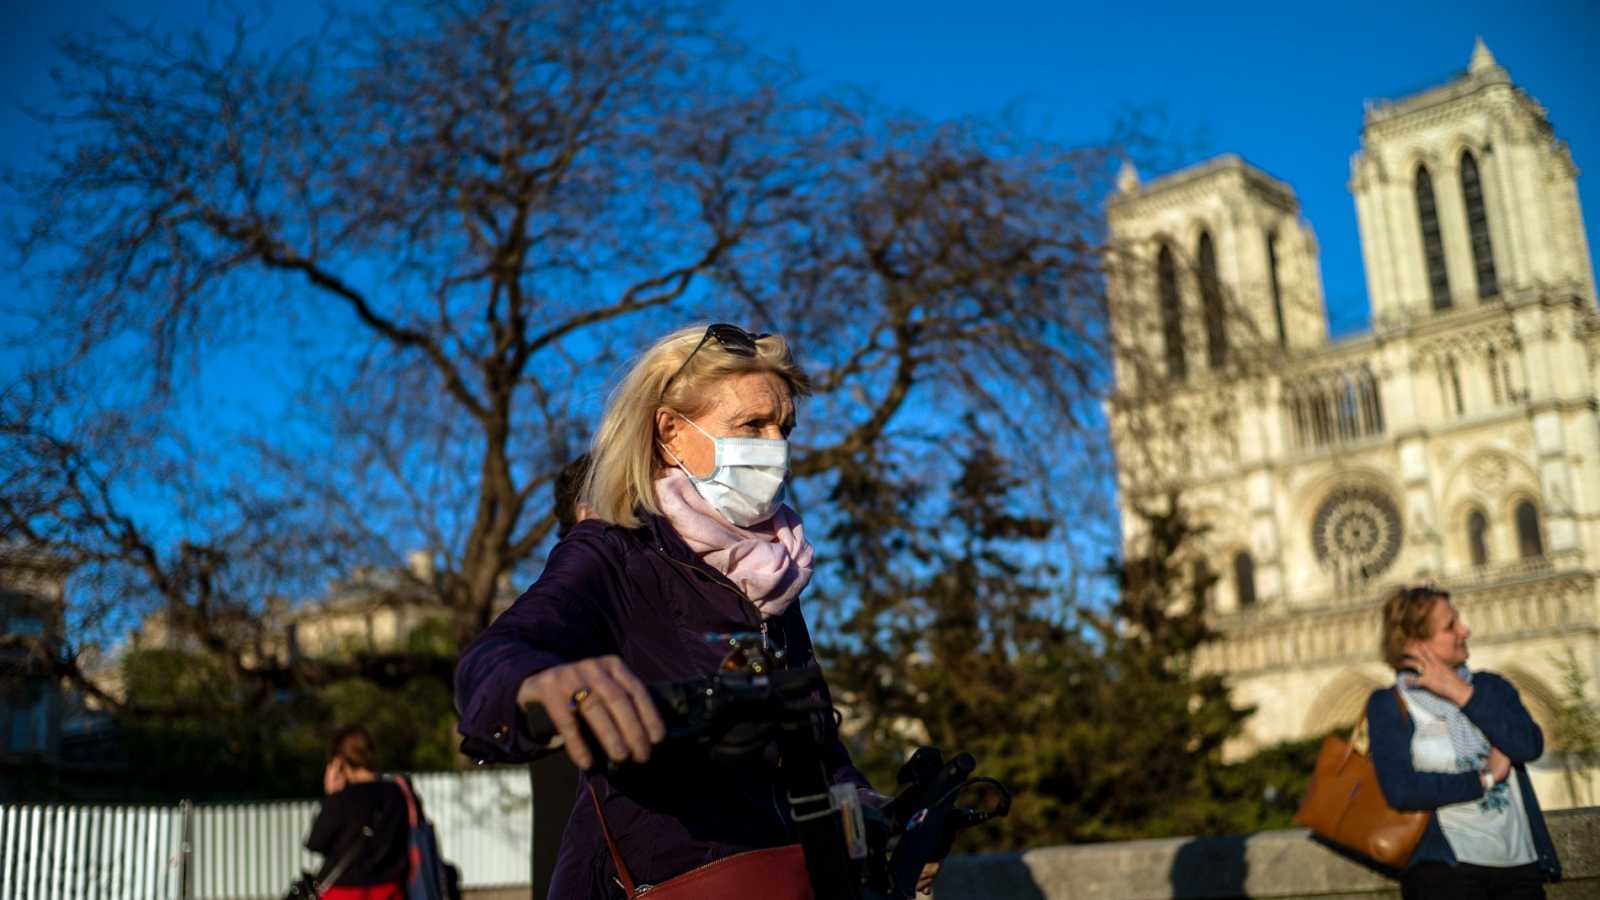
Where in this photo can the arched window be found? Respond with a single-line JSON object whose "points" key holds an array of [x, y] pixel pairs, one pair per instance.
{"points": [[1200, 581], [1478, 537], [1211, 304], [1432, 243], [1530, 543], [1171, 314], [1371, 404], [1277, 292], [1244, 579], [1348, 405], [1478, 227]]}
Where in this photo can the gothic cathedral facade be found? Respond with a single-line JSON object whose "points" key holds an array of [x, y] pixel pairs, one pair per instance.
{"points": [[1456, 442]]}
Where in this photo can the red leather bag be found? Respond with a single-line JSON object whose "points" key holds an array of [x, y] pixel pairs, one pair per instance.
{"points": [[776, 873]]}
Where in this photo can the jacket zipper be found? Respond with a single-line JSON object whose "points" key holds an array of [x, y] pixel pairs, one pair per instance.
{"points": [[721, 580], [718, 579]]}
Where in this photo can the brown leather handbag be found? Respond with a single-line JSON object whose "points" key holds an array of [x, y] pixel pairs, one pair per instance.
{"points": [[1345, 805], [776, 873]]}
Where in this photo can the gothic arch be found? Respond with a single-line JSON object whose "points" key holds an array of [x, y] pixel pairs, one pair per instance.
{"points": [[1422, 156], [1230, 594], [1493, 480], [1242, 572], [1528, 522], [1212, 305], [1193, 229], [1434, 267], [1311, 494], [1543, 703], [1448, 157], [1169, 301], [1340, 703], [1275, 280], [1474, 202], [1478, 540]]}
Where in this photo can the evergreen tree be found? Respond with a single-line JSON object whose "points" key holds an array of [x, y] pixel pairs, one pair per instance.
{"points": [[963, 637]]}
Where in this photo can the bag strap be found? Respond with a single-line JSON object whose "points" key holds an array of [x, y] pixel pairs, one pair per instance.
{"points": [[1405, 714], [345, 860], [1355, 730], [413, 815], [611, 844]]}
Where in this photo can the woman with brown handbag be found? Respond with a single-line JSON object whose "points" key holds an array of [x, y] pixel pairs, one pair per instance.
{"points": [[686, 535], [1461, 752]]}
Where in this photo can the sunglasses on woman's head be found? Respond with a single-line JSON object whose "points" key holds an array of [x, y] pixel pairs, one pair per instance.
{"points": [[1425, 591], [730, 338]]}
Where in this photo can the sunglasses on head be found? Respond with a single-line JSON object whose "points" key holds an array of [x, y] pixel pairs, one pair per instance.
{"points": [[731, 338], [1425, 591]]}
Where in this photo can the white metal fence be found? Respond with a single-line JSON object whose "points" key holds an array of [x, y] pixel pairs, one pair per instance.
{"points": [[243, 851]]}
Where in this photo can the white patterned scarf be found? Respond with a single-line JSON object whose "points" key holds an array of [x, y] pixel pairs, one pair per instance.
{"points": [[1470, 745]]}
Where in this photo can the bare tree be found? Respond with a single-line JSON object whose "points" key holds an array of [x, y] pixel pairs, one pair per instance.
{"points": [[450, 226]]}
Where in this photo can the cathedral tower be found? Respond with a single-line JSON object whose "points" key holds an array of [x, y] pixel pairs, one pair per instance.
{"points": [[1215, 259], [1458, 442], [1465, 196]]}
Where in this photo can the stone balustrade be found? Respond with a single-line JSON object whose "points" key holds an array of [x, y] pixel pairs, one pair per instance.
{"points": [[1281, 865], [1541, 601]]}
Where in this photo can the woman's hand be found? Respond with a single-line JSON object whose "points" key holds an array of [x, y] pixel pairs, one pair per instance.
{"points": [[333, 777], [612, 700], [1498, 764], [925, 880], [1436, 676]]}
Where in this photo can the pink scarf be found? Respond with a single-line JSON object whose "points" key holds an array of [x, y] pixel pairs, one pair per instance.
{"points": [[770, 562]]}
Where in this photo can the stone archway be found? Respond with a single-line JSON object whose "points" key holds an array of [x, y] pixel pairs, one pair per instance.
{"points": [[1340, 703], [1542, 701]]}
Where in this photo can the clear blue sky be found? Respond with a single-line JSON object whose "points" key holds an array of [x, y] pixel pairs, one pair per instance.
{"points": [[1280, 84]]}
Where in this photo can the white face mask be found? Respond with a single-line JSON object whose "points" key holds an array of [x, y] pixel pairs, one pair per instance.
{"points": [[746, 484]]}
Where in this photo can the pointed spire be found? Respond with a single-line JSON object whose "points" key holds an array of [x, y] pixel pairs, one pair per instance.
{"points": [[1127, 178], [1481, 57]]}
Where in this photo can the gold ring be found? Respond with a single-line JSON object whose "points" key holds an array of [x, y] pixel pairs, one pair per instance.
{"points": [[578, 696]]}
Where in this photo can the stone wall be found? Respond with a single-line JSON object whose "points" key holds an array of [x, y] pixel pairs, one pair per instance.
{"points": [[1282, 865]]}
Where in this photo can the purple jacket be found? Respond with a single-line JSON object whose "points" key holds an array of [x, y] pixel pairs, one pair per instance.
{"points": [[643, 595]]}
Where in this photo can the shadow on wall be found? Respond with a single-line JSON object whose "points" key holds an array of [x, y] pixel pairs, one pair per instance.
{"points": [[1213, 868], [984, 875]]}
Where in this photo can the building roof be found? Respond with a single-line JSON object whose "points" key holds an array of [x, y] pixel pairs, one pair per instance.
{"points": [[1132, 192]]}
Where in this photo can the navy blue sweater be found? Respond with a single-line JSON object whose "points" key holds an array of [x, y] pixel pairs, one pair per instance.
{"points": [[1498, 712]]}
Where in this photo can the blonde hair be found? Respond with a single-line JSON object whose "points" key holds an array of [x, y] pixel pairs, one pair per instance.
{"points": [[623, 457], [1405, 619]]}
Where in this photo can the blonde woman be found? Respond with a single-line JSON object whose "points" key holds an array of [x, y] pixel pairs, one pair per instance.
{"points": [[686, 534], [1459, 747]]}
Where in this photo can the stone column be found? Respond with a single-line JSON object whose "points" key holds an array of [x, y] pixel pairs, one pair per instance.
{"points": [[1558, 509], [1265, 545], [1420, 512]]}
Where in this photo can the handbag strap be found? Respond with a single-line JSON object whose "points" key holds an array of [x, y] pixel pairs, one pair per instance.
{"points": [[1405, 714], [1350, 745], [413, 815], [344, 862], [611, 844]]}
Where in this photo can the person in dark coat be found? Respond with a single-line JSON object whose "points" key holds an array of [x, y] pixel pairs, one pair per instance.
{"points": [[686, 536], [1460, 749], [554, 779], [361, 828]]}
